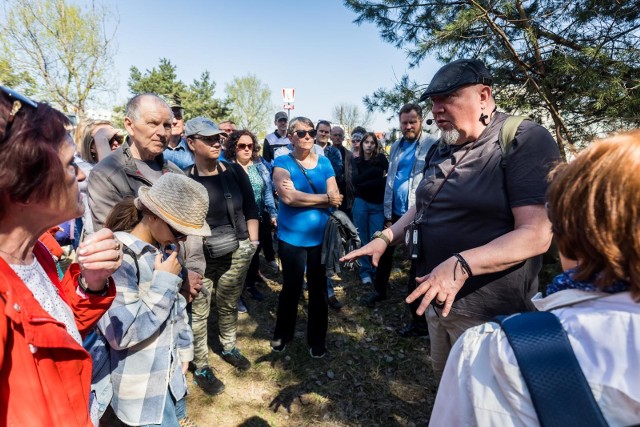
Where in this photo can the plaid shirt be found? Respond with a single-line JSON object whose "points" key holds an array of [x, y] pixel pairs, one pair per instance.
{"points": [[147, 328]]}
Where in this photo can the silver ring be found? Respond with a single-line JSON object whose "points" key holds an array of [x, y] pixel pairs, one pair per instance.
{"points": [[440, 303]]}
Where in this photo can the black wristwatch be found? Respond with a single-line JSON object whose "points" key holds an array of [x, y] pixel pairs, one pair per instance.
{"points": [[85, 288], [380, 235]]}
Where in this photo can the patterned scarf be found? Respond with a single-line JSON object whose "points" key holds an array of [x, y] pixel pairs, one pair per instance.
{"points": [[565, 281]]}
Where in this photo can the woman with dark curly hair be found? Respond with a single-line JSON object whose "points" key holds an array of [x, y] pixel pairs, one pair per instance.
{"points": [[242, 148]]}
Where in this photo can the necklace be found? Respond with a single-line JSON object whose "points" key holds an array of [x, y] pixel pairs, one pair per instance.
{"points": [[20, 260]]}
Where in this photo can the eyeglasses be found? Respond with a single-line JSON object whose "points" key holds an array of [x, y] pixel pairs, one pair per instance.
{"points": [[355, 140], [176, 234], [245, 146], [302, 133], [18, 102], [209, 140]]}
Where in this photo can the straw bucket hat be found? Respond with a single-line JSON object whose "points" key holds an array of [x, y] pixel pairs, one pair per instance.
{"points": [[179, 201]]}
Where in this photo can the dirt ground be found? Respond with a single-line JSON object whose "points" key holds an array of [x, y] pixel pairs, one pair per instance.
{"points": [[370, 376]]}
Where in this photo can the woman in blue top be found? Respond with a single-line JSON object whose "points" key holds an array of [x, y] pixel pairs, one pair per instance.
{"points": [[306, 187]]}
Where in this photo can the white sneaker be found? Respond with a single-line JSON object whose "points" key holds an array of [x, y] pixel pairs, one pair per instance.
{"points": [[273, 265], [366, 281]]}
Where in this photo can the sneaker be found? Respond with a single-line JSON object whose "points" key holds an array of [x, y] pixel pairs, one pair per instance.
{"points": [[242, 307], [334, 303], [413, 331], [367, 281], [207, 381], [255, 293], [235, 358], [317, 352], [273, 265], [371, 299], [278, 346]]}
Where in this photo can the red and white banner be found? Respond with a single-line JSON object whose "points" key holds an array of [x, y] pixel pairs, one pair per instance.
{"points": [[288, 95]]}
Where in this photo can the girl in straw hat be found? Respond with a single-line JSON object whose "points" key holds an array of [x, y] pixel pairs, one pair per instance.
{"points": [[147, 325]]}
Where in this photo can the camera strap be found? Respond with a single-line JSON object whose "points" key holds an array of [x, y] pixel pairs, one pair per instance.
{"points": [[418, 218]]}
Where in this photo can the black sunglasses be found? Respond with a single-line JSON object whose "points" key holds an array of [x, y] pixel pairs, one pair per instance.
{"points": [[177, 234], [18, 101], [301, 133]]}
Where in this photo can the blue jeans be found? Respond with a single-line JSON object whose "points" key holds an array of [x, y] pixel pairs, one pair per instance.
{"points": [[368, 218]]}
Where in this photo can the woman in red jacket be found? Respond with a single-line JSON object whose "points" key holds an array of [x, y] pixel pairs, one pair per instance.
{"points": [[45, 373]]}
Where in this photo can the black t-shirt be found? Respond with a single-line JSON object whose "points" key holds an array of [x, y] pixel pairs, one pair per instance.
{"points": [[244, 204], [369, 178], [474, 207]]}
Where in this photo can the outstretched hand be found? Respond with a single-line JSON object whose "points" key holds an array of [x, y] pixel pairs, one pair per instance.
{"points": [[374, 249]]}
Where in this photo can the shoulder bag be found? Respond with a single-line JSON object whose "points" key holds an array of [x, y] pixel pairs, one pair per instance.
{"points": [[223, 239]]}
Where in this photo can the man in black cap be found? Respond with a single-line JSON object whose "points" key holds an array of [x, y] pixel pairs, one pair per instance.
{"points": [[278, 138], [177, 151], [480, 212]]}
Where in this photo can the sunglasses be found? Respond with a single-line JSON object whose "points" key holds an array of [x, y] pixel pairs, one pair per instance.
{"points": [[302, 133], [18, 102], [209, 140], [245, 146], [176, 234]]}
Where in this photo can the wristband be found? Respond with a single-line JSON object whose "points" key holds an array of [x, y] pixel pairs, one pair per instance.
{"points": [[381, 235], [85, 288], [464, 266]]}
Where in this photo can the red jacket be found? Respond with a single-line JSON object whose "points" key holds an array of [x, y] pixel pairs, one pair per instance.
{"points": [[45, 374]]}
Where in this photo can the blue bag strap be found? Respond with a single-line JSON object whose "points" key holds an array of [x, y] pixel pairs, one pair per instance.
{"points": [[559, 390]]}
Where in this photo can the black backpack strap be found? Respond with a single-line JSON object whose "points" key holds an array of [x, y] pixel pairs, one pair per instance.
{"points": [[559, 390]]}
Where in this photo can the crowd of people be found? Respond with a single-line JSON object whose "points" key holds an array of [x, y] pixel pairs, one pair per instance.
{"points": [[167, 224]]}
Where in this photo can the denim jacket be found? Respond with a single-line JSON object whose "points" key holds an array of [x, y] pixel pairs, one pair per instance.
{"points": [[265, 172]]}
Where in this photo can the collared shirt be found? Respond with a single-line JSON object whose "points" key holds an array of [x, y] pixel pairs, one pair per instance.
{"points": [[180, 155], [148, 331], [401, 182], [482, 384]]}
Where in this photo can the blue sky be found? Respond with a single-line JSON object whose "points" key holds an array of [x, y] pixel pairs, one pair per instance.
{"points": [[312, 46]]}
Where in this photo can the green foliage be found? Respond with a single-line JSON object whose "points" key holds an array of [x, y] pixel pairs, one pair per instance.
{"points": [[20, 81], [63, 50], [197, 99], [250, 102], [575, 65]]}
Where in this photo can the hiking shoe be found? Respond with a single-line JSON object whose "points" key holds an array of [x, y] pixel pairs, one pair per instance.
{"points": [[371, 299], [242, 307], [273, 265], [334, 303], [255, 293], [317, 352], [413, 331], [207, 381], [235, 358], [278, 346]]}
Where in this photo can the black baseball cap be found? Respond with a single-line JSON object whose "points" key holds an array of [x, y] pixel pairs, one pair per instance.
{"points": [[456, 74]]}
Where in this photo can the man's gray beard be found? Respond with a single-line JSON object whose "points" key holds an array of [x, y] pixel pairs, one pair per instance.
{"points": [[450, 137]]}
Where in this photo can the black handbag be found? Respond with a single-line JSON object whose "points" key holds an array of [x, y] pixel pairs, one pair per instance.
{"points": [[223, 239]]}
